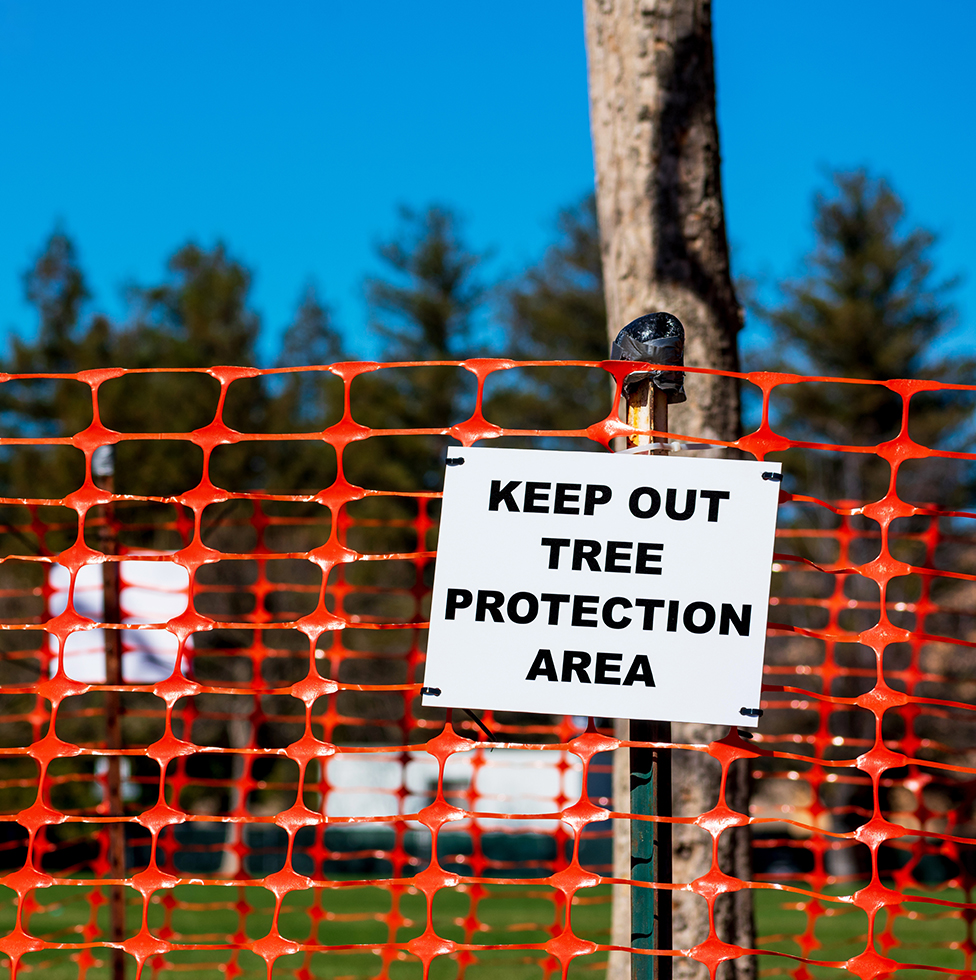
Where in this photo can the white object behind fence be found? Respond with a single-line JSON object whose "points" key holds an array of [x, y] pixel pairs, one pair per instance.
{"points": [[150, 592]]}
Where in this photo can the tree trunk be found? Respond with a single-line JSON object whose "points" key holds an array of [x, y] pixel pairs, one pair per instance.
{"points": [[662, 229]]}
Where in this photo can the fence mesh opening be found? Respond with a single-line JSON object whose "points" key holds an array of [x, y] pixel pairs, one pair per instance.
{"points": [[214, 761]]}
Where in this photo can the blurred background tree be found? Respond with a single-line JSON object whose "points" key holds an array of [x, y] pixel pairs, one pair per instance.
{"points": [[431, 304], [556, 311], [869, 306], [198, 316], [426, 308]]}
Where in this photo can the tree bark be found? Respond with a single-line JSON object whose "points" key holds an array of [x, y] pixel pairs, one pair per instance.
{"points": [[664, 246], [659, 192]]}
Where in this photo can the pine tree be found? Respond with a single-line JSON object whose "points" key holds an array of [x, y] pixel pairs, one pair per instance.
{"points": [[424, 311], [311, 337], [55, 286], [198, 316], [868, 307], [556, 311], [307, 401]]}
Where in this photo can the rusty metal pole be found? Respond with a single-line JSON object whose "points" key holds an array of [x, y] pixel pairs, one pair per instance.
{"points": [[658, 338], [103, 466]]}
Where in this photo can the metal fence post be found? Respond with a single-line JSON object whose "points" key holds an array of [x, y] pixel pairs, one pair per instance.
{"points": [[650, 778], [103, 466], [658, 338]]}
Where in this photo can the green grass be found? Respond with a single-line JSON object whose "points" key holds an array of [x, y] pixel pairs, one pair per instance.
{"points": [[507, 915], [922, 931], [333, 916]]}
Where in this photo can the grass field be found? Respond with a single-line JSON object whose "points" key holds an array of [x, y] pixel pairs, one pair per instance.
{"points": [[218, 915], [924, 933]]}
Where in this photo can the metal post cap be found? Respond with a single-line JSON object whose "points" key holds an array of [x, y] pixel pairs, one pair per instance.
{"points": [[660, 339]]}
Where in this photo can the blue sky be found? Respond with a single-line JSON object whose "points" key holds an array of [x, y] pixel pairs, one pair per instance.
{"points": [[292, 132]]}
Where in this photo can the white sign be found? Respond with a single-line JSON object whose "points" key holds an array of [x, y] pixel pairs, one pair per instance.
{"points": [[615, 586]]}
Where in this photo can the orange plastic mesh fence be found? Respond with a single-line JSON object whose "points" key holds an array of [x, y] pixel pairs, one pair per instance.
{"points": [[263, 793]]}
